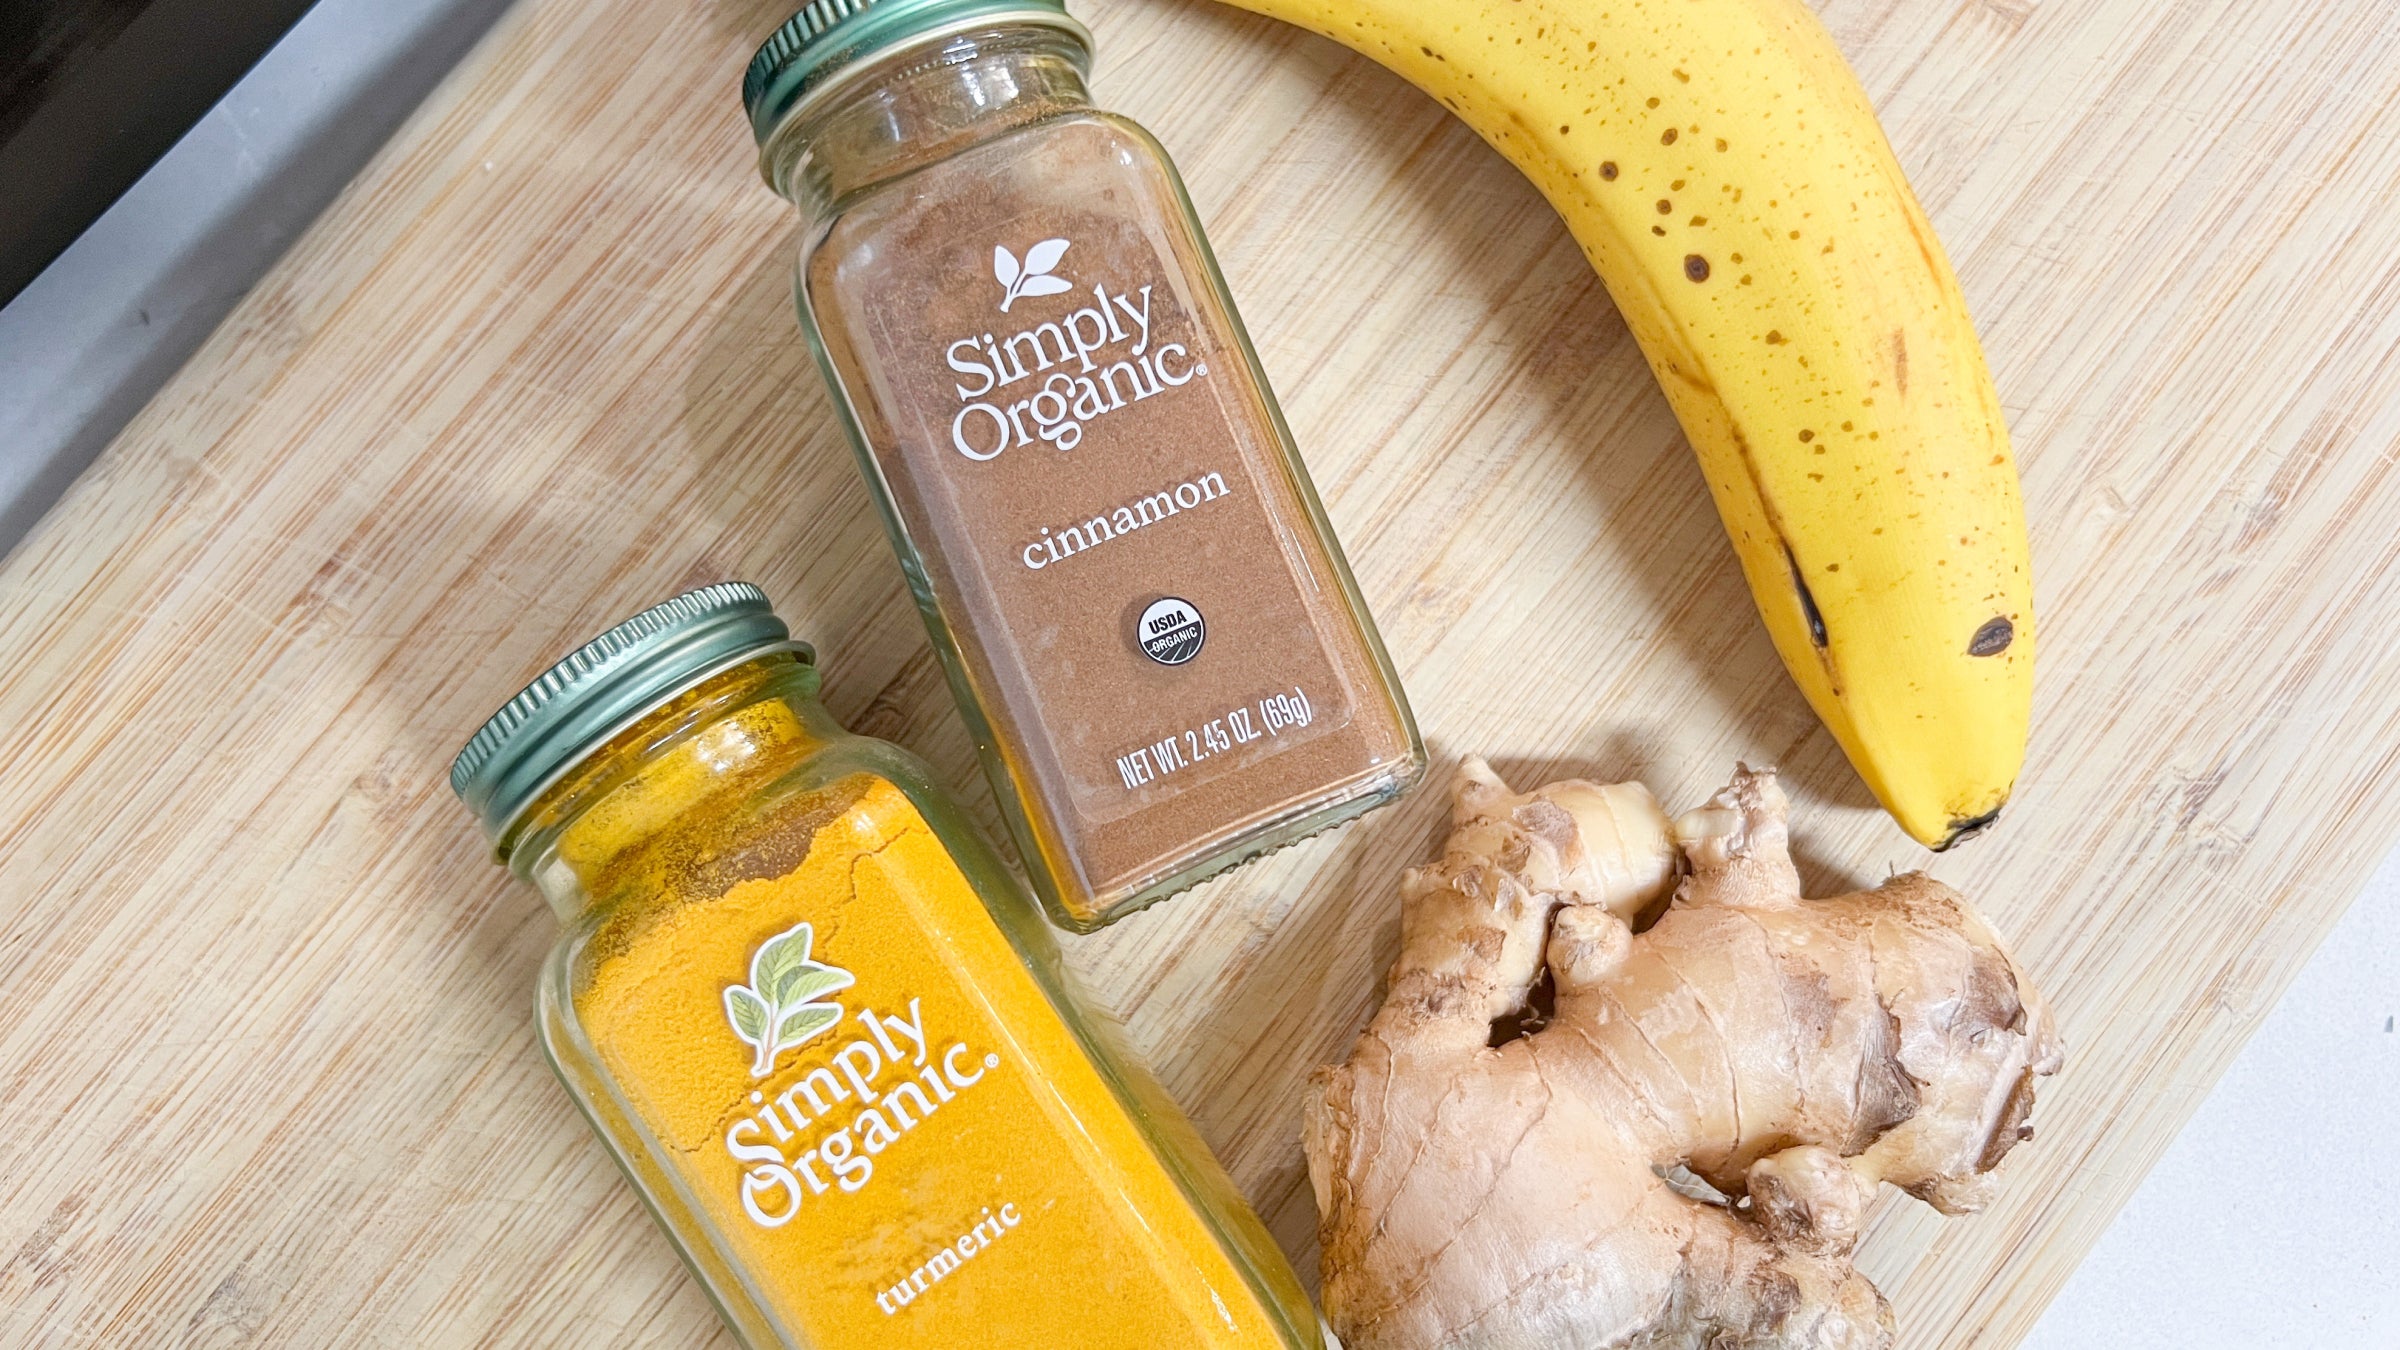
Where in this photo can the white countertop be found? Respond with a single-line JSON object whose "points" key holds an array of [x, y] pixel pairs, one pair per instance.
{"points": [[2268, 1223]]}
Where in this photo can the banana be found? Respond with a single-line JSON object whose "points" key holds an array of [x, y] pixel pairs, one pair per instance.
{"points": [[1726, 176]]}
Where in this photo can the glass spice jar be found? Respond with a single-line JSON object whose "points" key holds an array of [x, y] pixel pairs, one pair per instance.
{"points": [[1142, 610], [825, 1033]]}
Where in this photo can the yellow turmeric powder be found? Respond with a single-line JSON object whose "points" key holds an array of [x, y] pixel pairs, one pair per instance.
{"points": [[823, 1034]]}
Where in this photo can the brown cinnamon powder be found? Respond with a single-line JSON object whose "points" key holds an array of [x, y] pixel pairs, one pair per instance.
{"points": [[1145, 614]]}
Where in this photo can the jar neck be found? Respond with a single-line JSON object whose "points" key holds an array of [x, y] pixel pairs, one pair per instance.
{"points": [[699, 752], [919, 104]]}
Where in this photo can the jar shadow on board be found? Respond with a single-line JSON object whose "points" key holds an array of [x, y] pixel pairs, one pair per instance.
{"points": [[762, 486]]}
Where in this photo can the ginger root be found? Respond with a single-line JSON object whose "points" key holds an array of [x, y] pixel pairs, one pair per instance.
{"points": [[1790, 1053]]}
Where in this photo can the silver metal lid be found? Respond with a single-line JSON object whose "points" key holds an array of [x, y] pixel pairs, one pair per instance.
{"points": [[606, 685]]}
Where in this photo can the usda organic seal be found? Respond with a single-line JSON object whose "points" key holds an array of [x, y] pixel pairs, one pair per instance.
{"points": [[1171, 631]]}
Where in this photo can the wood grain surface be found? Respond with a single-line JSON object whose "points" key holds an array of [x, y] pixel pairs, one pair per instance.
{"points": [[267, 1067]]}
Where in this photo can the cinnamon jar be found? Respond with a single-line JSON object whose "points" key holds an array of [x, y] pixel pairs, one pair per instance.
{"points": [[1142, 610]]}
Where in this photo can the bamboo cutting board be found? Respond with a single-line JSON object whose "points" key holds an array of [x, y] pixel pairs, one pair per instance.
{"points": [[267, 1070]]}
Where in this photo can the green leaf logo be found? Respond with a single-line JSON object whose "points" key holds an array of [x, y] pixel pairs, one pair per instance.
{"points": [[780, 1007]]}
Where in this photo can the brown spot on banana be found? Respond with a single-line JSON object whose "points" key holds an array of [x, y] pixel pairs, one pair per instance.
{"points": [[1993, 638]]}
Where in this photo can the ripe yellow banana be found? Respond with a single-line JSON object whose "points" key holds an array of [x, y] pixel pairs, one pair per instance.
{"points": [[1726, 176]]}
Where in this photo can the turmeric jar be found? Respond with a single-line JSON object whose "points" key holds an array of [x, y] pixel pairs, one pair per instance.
{"points": [[824, 1032], [1141, 608]]}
